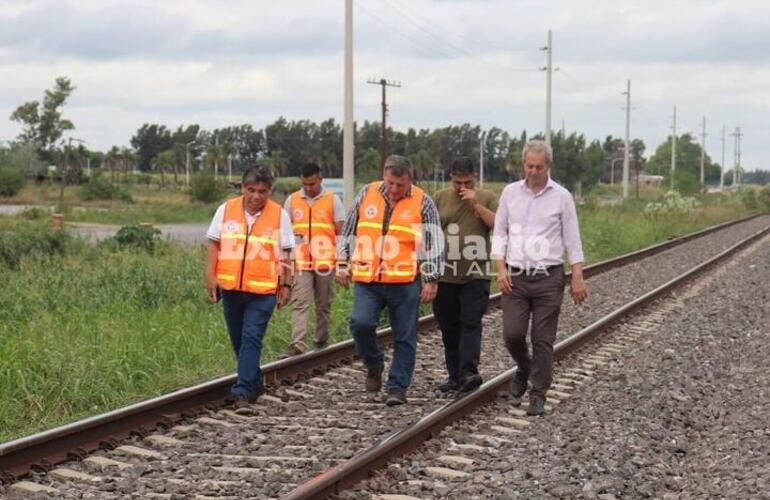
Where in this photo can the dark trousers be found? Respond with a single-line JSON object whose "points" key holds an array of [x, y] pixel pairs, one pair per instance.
{"points": [[538, 298], [458, 309], [247, 315]]}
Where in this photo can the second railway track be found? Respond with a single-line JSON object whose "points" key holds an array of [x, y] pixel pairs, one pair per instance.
{"points": [[321, 420]]}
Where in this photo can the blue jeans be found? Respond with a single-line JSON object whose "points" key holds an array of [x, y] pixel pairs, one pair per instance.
{"points": [[247, 315], [403, 302]]}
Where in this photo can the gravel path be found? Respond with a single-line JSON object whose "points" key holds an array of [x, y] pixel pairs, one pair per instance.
{"points": [[683, 415], [303, 429]]}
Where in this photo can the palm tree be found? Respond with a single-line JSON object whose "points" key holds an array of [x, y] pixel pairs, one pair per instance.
{"points": [[216, 154], [110, 159], [164, 160]]}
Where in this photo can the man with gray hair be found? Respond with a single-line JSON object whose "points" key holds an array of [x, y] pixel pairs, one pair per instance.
{"points": [[535, 225], [396, 239]]}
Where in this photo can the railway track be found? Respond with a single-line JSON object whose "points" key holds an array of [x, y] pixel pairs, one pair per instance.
{"points": [[288, 443]]}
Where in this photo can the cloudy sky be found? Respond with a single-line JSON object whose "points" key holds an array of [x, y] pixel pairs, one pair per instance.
{"points": [[227, 62]]}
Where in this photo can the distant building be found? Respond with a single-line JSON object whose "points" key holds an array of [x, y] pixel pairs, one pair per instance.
{"points": [[651, 180]]}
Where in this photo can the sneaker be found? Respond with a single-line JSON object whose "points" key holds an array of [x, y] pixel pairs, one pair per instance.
{"points": [[449, 386], [471, 383], [536, 406], [291, 352], [519, 384], [374, 379], [395, 397]]}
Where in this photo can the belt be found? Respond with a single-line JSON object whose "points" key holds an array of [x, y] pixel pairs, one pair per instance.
{"points": [[533, 271]]}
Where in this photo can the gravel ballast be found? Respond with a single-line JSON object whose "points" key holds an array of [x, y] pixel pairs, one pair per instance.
{"points": [[685, 414]]}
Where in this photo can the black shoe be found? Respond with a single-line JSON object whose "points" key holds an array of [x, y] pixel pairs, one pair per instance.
{"points": [[519, 384], [536, 406], [471, 383], [374, 379], [320, 345], [448, 386], [395, 397]]}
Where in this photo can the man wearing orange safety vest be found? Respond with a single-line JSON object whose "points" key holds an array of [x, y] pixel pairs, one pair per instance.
{"points": [[317, 216], [394, 230], [249, 263]]}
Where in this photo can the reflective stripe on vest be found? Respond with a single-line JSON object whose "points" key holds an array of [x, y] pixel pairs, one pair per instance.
{"points": [[249, 262], [316, 250], [387, 257]]}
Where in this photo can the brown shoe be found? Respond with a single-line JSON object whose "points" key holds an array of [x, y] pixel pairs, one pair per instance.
{"points": [[291, 352], [374, 379]]}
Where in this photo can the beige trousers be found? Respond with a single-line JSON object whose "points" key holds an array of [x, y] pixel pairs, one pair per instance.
{"points": [[307, 285]]}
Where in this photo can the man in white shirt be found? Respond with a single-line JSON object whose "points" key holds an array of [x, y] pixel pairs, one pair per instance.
{"points": [[248, 262], [535, 224], [317, 216]]}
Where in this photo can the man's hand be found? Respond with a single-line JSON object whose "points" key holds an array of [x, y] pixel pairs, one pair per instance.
{"points": [[343, 277], [469, 195], [284, 294], [578, 288], [428, 292], [504, 282], [210, 282]]}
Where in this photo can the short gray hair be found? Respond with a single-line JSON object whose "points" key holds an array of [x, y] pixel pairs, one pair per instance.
{"points": [[399, 165], [537, 146]]}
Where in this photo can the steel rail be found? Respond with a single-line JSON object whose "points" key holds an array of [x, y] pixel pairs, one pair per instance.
{"points": [[44, 450], [359, 467]]}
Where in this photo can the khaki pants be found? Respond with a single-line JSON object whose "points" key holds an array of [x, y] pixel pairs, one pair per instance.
{"points": [[307, 285]]}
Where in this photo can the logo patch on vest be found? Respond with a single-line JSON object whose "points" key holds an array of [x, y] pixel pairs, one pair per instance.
{"points": [[406, 214], [370, 211], [297, 214], [231, 226]]}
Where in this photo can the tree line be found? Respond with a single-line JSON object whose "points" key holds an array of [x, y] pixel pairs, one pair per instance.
{"points": [[285, 145]]}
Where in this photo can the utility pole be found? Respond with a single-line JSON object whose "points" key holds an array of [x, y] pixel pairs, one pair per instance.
{"points": [[722, 166], [348, 139], [703, 157], [626, 165], [548, 77], [481, 158], [563, 129], [737, 157], [673, 150], [187, 162], [384, 140]]}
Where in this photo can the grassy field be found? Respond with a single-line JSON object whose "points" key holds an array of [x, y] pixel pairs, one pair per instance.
{"points": [[85, 329]]}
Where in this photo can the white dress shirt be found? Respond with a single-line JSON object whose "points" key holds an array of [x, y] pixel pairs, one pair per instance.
{"points": [[533, 230]]}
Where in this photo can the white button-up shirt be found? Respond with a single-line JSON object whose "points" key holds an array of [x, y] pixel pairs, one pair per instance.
{"points": [[533, 230]]}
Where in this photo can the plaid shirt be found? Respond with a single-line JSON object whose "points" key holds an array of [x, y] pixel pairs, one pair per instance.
{"points": [[431, 256]]}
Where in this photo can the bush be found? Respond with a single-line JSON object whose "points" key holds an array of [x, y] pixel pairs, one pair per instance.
{"points": [[11, 180], [99, 188], [35, 213], [29, 239], [749, 198], [764, 198], [673, 204], [286, 185], [206, 189], [136, 236]]}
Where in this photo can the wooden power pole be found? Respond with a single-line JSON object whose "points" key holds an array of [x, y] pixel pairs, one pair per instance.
{"points": [[384, 140]]}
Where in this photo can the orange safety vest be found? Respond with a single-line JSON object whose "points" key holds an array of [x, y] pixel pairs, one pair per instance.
{"points": [[316, 249], [250, 261], [387, 256]]}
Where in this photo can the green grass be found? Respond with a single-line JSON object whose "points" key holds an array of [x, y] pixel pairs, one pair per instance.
{"points": [[85, 329]]}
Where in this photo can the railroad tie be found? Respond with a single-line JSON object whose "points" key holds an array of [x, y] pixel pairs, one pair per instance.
{"points": [[65, 474], [29, 487], [102, 463]]}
